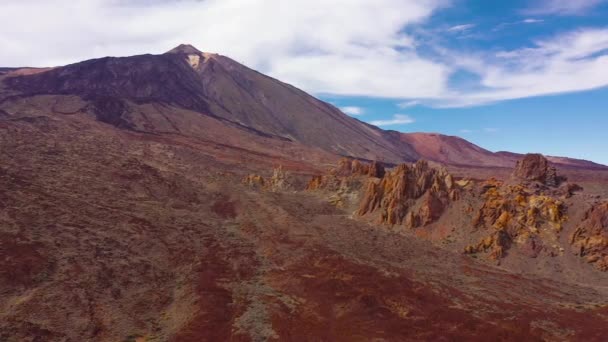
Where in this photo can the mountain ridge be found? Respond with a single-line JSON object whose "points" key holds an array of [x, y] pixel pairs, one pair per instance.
{"points": [[217, 86]]}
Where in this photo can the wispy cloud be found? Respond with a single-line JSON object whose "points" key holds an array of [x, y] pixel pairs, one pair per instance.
{"points": [[352, 110], [502, 26], [461, 28], [466, 131], [490, 130], [569, 62], [532, 21], [398, 119], [563, 7], [408, 104]]}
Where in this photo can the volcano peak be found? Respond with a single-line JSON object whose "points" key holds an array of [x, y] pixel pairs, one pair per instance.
{"points": [[185, 48]]}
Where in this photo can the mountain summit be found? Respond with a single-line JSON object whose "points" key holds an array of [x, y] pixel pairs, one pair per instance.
{"points": [[185, 48]]}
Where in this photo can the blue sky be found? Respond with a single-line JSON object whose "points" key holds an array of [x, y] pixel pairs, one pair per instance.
{"points": [[523, 76], [572, 125]]}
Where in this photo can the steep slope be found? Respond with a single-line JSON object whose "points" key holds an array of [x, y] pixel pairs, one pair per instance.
{"points": [[212, 85]]}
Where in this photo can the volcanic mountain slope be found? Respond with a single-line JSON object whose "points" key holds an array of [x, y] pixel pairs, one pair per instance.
{"points": [[120, 91], [452, 150], [456, 151], [141, 92]]}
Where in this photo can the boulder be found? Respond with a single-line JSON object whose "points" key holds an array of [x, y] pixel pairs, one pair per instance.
{"points": [[533, 167]]}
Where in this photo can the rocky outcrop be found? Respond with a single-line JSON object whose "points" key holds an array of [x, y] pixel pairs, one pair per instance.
{"points": [[536, 168], [551, 178], [277, 182], [590, 240], [413, 195], [345, 174], [533, 167], [496, 244], [344, 181], [351, 167], [254, 181], [515, 214]]}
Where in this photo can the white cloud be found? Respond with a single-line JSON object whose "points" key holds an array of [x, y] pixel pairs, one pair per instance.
{"points": [[460, 28], [563, 7], [398, 119], [408, 104], [490, 130], [466, 131], [339, 47], [352, 110], [569, 62], [347, 47], [505, 25], [532, 21]]}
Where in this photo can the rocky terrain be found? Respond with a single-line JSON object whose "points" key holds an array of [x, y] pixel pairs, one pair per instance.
{"points": [[527, 212], [184, 197]]}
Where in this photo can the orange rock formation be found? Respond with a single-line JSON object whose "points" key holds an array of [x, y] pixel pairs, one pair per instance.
{"points": [[278, 180], [395, 196], [515, 215]]}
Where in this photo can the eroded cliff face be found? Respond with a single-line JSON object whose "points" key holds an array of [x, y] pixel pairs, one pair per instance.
{"points": [[590, 240], [410, 195]]}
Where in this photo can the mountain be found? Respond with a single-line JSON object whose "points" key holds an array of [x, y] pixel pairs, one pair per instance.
{"points": [[214, 86], [452, 150], [120, 91]]}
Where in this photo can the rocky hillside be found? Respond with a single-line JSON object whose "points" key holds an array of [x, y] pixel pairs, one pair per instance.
{"points": [[532, 215]]}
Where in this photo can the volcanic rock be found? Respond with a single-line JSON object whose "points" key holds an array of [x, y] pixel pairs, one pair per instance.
{"points": [[517, 213], [345, 175], [277, 182], [351, 167], [496, 244], [395, 195], [534, 167], [590, 240]]}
